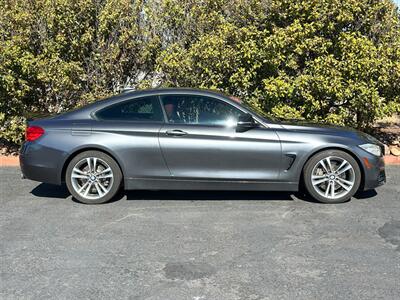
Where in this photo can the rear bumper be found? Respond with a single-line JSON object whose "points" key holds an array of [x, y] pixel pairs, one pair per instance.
{"points": [[38, 173], [40, 163]]}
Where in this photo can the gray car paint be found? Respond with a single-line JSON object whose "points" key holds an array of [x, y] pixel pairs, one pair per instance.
{"points": [[269, 157]]}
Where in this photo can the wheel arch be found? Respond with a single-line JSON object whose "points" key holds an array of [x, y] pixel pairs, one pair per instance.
{"points": [[356, 158], [84, 149]]}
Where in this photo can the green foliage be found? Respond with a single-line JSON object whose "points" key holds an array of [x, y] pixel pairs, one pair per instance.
{"points": [[12, 128], [284, 111], [324, 60], [329, 61]]}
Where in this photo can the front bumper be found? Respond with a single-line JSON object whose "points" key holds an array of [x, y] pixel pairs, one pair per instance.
{"points": [[374, 171]]}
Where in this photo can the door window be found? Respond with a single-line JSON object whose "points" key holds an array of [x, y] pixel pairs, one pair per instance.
{"points": [[201, 110], [146, 109]]}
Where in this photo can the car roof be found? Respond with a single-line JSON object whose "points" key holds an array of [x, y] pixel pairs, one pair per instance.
{"points": [[84, 112], [172, 90]]}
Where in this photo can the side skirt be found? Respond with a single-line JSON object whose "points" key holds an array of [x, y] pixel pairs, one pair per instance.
{"points": [[199, 184]]}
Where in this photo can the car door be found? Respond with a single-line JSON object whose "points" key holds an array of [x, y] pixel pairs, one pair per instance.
{"points": [[130, 130], [200, 141]]}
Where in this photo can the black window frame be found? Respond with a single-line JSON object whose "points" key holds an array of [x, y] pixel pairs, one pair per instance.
{"points": [[155, 96]]}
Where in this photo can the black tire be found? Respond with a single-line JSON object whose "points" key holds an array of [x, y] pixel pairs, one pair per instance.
{"points": [[313, 161], [116, 171]]}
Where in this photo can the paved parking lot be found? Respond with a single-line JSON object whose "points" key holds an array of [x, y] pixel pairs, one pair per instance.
{"points": [[197, 245]]}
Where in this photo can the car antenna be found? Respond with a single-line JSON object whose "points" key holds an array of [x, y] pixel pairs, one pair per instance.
{"points": [[127, 89]]}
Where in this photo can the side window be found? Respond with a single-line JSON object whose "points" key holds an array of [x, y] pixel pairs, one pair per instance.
{"points": [[146, 109], [193, 109]]}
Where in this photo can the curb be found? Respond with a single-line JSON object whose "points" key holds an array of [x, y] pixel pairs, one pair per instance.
{"points": [[13, 161], [9, 161], [392, 160]]}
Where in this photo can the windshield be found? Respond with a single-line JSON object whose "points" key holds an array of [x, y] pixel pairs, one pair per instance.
{"points": [[255, 110], [260, 113]]}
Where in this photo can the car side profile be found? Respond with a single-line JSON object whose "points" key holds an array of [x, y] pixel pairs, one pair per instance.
{"points": [[189, 139]]}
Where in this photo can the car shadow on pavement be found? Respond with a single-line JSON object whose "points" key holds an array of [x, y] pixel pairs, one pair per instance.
{"points": [[365, 194], [192, 195], [50, 191], [61, 192]]}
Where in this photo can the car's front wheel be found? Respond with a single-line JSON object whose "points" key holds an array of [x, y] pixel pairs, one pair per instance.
{"points": [[332, 176], [93, 177]]}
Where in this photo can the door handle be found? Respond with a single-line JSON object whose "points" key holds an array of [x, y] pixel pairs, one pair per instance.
{"points": [[176, 132]]}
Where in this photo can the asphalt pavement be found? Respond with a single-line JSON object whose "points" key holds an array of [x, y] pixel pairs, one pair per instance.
{"points": [[197, 245]]}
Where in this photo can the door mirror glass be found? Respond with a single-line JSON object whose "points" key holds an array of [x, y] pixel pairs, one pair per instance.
{"points": [[245, 122]]}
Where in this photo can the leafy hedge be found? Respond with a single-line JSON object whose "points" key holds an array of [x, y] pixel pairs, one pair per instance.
{"points": [[326, 60]]}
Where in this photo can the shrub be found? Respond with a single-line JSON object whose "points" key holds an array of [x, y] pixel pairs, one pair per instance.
{"points": [[323, 60]]}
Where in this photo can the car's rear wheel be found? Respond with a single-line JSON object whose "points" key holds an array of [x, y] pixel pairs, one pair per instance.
{"points": [[93, 177], [332, 176]]}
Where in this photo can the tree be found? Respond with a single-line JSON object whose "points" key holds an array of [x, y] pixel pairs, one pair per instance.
{"points": [[325, 60], [334, 61]]}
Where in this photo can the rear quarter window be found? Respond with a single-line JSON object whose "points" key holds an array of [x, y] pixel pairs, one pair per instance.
{"points": [[146, 109]]}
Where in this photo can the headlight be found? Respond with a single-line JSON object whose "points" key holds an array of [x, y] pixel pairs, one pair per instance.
{"points": [[372, 148]]}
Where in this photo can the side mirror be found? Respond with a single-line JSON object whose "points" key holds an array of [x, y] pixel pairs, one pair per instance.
{"points": [[245, 122]]}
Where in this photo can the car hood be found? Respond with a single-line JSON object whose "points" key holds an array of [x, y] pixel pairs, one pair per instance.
{"points": [[306, 126]]}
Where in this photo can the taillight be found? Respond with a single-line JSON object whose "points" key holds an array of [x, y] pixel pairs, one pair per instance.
{"points": [[33, 133]]}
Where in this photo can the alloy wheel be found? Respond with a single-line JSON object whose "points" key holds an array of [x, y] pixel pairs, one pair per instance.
{"points": [[92, 178], [333, 177]]}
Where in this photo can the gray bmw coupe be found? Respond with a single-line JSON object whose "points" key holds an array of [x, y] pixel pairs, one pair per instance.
{"points": [[195, 139]]}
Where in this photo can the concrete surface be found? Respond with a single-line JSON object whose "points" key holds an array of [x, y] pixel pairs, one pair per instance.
{"points": [[197, 245]]}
